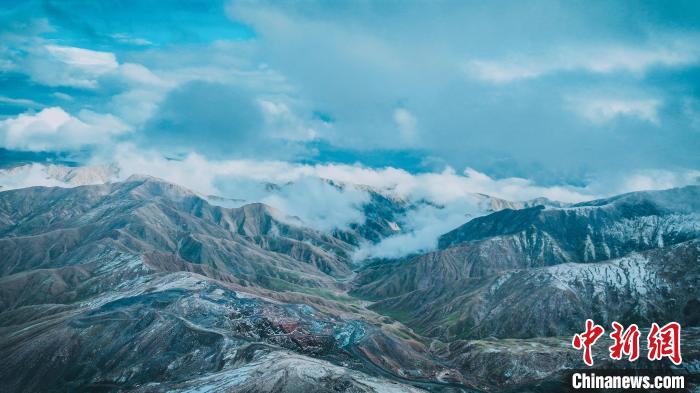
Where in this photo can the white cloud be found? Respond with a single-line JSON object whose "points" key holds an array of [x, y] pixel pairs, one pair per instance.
{"points": [[62, 96], [302, 195], [138, 75], [421, 229], [406, 123], [136, 106], [281, 122], [32, 175], [601, 110], [87, 60], [442, 188], [55, 129], [21, 102], [602, 59], [657, 180], [140, 100], [129, 40], [500, 71], [318, 203], [301, 191], [56, 65], [423, 226]]}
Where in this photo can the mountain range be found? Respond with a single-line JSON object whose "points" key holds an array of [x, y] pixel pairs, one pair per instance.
{"points": [[142, 285]]}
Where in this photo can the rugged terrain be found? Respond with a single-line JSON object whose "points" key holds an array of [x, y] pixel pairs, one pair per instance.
{"points": [[142, 285], [630, 252]]}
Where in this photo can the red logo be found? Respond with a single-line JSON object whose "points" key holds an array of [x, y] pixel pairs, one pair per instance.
{"points": [[626, 342], [586, 340], [662, 342], [665, 342]]}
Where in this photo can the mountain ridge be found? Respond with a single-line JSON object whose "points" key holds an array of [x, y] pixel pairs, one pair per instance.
{"points": [[206, 292]]}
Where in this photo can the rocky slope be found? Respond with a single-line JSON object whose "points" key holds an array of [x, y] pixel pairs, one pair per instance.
{"points": [[596, 230], [505, 292], [655, 285], [57, 226], [120, 323], [539, 236], [144, 286]]}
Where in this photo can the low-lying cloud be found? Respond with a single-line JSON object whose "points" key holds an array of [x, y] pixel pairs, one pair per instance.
{"points": [[442, 200]]}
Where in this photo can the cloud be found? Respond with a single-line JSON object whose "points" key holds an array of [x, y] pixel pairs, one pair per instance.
{"points": [[221, 120], [67, 66], [86, 60], [316, 202], [362, 63], [600, 59], [500, 72], [302, 190], [658, 180], [31, 175], [389, 79], [691, 110], [53, 129], [209, 118], [281, 122], [442, 188], [46, 62], [62, 96], [56, 65], [129, 40], [137, 75], [20, 102], [601, 110], [442, 200], [421, 228], [406, 124]]}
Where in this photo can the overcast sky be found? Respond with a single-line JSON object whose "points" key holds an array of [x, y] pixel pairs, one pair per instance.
{"points": [[559, 93]]}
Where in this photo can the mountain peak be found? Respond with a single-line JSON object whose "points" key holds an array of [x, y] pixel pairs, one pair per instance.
{"points": [[147, 186]]}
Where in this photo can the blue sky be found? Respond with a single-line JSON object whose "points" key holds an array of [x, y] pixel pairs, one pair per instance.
{"points": [[556, 92]]}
